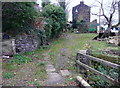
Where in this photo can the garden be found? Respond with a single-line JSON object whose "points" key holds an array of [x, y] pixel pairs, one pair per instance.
{"points": [[55, 47]]}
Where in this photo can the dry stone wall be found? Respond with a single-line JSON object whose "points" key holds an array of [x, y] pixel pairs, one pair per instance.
{"points": [[26, 43]]}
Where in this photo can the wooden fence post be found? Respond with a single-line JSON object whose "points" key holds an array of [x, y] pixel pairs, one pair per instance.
{"points": [[84, 60], [77, 57]]}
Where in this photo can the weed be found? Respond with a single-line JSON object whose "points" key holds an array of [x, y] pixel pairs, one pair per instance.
{"points": [[8, 75], [19, 59], [51, 53], [12, 61], [36, 83], [36, 56], [41, 63]]}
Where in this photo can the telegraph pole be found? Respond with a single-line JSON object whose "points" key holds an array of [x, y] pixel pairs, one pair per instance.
{"points": [[100, 17]]}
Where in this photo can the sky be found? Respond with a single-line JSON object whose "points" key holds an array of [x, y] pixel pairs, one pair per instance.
{"points": [[92, 3]]}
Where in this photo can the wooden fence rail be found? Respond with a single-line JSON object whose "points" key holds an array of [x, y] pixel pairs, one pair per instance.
{"points": [[110, 64], [105, 77], [83, 63]]}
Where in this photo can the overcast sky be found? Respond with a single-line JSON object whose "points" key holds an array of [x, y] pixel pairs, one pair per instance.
{"points": [[90, 3]]}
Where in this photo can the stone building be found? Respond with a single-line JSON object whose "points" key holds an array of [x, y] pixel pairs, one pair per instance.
{"points": [[81, 12]]}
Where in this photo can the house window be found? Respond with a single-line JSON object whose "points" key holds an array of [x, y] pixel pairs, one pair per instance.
{"points": [[76, 11]]}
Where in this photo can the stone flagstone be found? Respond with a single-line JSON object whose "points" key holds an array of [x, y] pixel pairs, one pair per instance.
{"points": [[65, 72], [54, 78], [50, 68]]}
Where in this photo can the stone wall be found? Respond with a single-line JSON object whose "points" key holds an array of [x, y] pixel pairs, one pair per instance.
{"points": [[26, 43], [20, 44]]}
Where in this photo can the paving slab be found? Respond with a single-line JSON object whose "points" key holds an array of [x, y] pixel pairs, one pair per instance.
{"points": [[50, 68], [65, 72], [54, 78]]}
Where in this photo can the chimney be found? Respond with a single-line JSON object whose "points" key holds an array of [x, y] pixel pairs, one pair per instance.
{"points": [[81, 2]]}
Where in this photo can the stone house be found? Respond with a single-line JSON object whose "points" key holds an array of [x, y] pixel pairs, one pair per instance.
{"points": [[81, 12]]}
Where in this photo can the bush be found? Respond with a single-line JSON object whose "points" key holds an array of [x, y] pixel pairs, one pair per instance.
{"points": [[56, 20]]}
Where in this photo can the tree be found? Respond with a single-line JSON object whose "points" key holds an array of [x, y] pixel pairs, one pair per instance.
{"points": [[16, 15], [45, 3], [119, 15], [55, 18], [65, 5], [109, 17]]}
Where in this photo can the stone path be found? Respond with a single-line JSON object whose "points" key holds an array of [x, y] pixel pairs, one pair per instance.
{"points": [[54, 78]]}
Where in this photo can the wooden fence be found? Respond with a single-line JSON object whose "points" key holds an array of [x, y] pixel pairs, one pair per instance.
{"points": [[83, 65]]}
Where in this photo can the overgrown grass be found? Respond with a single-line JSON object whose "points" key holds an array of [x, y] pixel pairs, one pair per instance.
{"points": [[113, 59], [74, 42], [30, 63], [8, 66], [100, 46]]}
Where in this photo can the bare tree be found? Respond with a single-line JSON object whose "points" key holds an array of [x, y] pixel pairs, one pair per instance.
{"points": [[108, 17], [45, 3], [65, 6]]}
